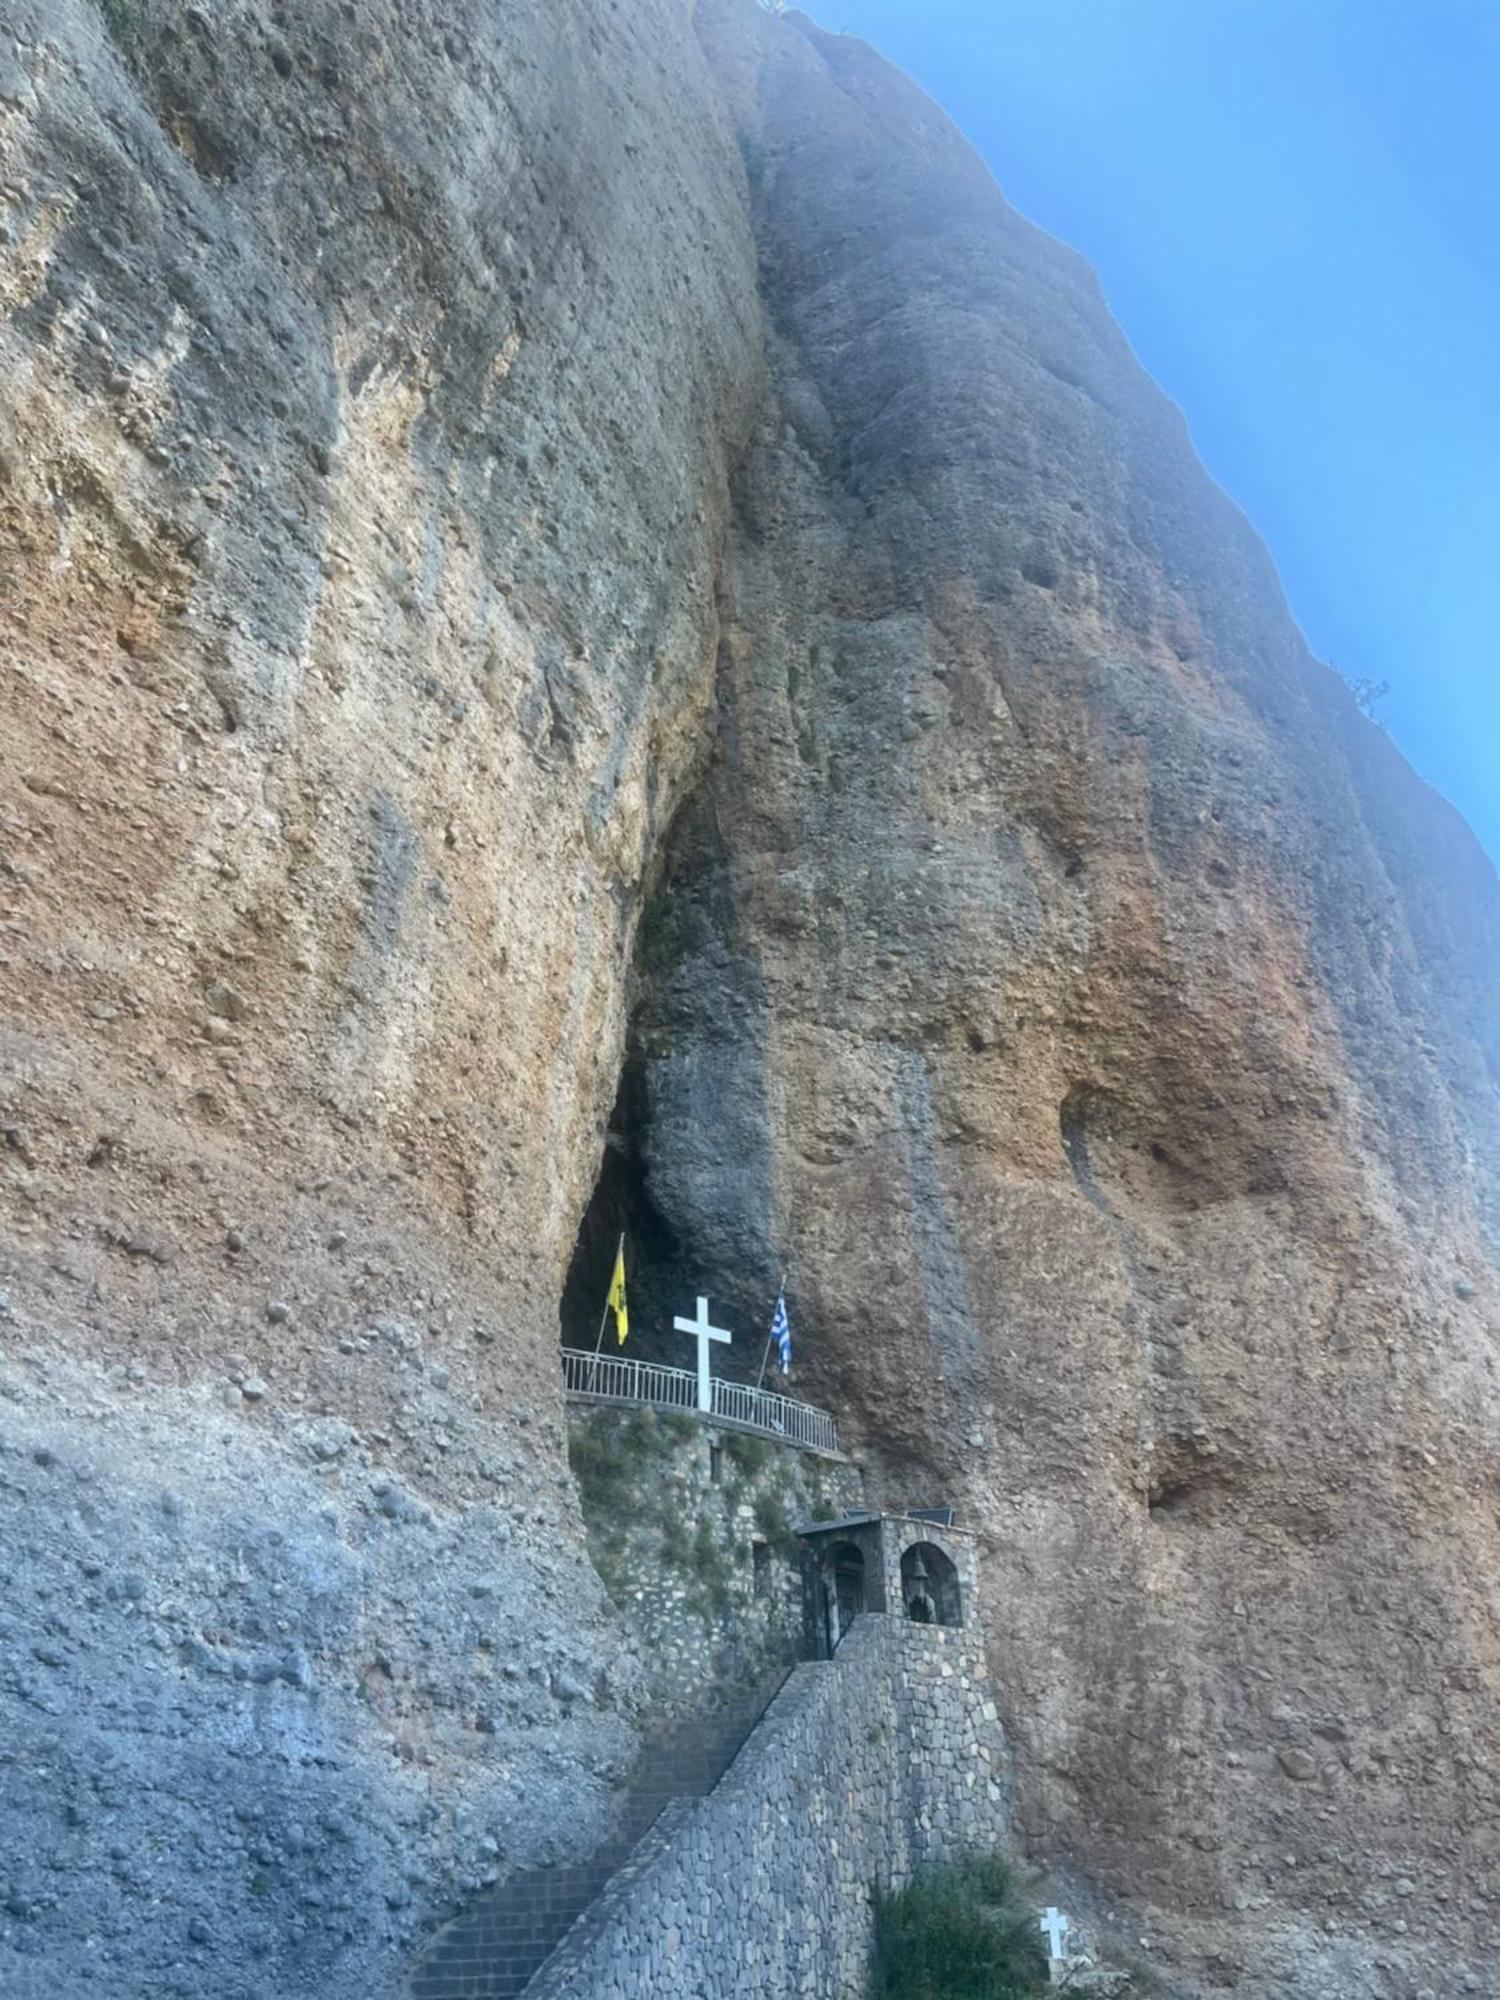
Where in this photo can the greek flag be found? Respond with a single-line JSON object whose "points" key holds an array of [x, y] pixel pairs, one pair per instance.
{"points": [[781, 1333]]}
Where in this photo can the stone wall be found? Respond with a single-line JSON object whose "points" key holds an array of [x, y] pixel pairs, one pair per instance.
{"points": [[864, 1767], [691, 1529]]}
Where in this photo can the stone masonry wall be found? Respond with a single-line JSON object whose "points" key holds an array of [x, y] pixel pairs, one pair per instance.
{"points": [[690, 1528], [864, 1767]]}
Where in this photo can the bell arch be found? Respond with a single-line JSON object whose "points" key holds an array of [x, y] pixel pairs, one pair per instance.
{"points": [[930, 1593]]}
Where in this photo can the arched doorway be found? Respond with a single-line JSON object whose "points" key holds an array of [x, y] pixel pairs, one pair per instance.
{"points": [[843, 1590], [929, 1586]]}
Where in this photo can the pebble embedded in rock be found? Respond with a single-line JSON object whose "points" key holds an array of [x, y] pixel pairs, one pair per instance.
{"points": [[225, 1001]]}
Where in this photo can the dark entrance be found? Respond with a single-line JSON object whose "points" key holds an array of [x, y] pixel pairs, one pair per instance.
{"points": [[844, 1590], [621, 1205]]}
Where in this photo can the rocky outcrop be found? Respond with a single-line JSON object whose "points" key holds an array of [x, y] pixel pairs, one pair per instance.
{"points": [[472, 473], [1113, 1016], [370, 378]]}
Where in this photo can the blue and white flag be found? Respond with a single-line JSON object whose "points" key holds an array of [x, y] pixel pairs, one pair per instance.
{"points": [[781, 1333]]}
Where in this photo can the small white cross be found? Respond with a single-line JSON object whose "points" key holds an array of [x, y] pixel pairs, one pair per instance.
{"points": [[705, 1333], [1055, 1924]]}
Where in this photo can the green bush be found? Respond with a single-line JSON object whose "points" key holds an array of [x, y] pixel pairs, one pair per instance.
{"points": [[770, 1519], [955, 1933], [748, 1455], [610, 1455]]}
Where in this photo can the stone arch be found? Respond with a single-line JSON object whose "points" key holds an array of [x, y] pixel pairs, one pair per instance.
{"points": [[930, 1593], [844, 1589]]}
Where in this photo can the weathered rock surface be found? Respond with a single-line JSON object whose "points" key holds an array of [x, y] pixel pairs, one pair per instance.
{"points": [[461, 469], [370, 377], [1107, 1020], [264, 1702]]}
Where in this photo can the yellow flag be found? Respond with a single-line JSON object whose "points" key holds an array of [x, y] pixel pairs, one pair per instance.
{"points": [[616, 1299]]}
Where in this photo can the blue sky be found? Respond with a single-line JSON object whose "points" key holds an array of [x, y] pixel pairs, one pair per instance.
{"points": [[1294, 207]]}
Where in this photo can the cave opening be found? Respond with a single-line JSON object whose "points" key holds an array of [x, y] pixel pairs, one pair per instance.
{"points": [[621, 1204]]}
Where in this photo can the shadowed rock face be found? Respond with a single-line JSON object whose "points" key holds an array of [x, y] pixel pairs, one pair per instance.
{"points": [[464, 466], [1117, 1012]]}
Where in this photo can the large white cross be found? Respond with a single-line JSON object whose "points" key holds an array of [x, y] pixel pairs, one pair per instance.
{"points": [[1055, 1924], [705, 1333]]}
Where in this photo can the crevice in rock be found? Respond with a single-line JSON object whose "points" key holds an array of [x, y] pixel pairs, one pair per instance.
{"points": [[685, 1171], [673, 926], [621, 1203], [1183, 1480]]}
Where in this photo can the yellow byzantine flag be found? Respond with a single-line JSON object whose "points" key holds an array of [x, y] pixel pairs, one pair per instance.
{"points": [[615, 1303]]}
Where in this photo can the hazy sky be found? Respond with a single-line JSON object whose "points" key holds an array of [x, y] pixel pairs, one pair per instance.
{"points": [[1294, 207]]}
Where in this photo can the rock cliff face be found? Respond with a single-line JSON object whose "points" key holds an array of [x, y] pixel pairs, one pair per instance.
{"points": [[537, 538], [1108, 1020], [370, 379]]}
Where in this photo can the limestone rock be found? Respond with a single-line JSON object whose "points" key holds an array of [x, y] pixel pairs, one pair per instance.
{"points": [[538, 538], [1098, 1017]]}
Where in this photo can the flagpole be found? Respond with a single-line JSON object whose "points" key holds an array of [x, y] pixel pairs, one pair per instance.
{"points": [[760, 1378], [604, 1316]]}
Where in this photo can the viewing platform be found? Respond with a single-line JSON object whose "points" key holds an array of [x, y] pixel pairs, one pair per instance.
{"points": [[612, 1378]]}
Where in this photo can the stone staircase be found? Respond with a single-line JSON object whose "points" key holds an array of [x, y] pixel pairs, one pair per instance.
{"points": [[501, 1940]]}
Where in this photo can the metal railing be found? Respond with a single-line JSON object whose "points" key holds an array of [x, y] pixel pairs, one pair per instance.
{"points": [[763, 1410], [614, 1378]]}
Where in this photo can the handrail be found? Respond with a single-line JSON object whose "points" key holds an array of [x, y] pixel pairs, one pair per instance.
{"points": [[618, 1378]]}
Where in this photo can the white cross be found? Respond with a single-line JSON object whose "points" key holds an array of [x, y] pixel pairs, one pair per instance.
{"points": [[705, 1333], [1055, 1924]]}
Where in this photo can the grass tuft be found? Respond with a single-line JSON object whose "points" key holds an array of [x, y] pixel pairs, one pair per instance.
{"points": [[956, 1933]]}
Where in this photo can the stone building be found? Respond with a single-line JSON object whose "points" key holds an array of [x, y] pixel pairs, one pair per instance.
{"points": [[881, 1753], [818, 1722], [914, 1566]]}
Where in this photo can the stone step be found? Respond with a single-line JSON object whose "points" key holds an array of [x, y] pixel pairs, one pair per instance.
{"points": [[492, 1951]]}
